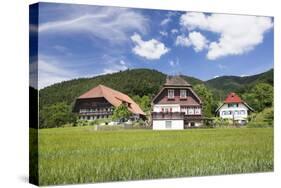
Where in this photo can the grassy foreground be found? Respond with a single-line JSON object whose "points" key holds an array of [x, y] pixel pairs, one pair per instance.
{"points": [[81, 155]]}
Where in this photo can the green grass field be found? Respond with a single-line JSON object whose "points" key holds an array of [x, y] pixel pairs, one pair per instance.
{"points": [[81, 155]]}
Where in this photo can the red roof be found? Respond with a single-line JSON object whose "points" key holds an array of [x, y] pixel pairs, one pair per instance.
{"points": [[232, 98], [112, 96]]}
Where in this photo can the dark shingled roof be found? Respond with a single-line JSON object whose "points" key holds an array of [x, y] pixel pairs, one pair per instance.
{"points": [[176, 81]]}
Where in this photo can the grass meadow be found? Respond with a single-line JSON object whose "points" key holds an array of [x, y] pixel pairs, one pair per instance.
{"points": [[83, 155]]}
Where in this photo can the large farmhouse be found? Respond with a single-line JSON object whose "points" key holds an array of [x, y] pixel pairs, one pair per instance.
{"points": [[100, 101], [234, 108], [176, 106]]}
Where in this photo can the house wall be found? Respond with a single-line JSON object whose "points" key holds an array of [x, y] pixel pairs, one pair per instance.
{"points": [[237, 114], [161, 125]]}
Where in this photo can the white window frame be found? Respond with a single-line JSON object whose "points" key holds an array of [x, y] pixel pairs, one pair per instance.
{"points": [[171, 94], [183, 93]]}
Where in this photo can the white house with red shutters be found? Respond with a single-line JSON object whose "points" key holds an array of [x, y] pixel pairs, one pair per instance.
{"points": [[234, 108]]}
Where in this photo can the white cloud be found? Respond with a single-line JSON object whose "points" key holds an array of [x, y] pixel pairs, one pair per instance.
{"points": [[194, 39], [122, 62], [165, 21], [50, 72], [151, 49], [115, 67], [222, 67], [168, 18], [174, 31], [174, 63], [238, 34], [63, 50], [183, 41], [198, 41], [163, 33], [111, 24]]}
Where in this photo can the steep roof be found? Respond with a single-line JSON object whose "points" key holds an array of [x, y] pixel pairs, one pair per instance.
{"points": [[232, 98], [112, 96], [176, 81]]}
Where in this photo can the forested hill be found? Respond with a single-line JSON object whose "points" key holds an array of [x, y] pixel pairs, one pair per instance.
{"points": [[131, 82], [141, 82], [226, 84]]}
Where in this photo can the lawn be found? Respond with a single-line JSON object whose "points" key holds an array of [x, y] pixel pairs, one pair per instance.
{"points": [[82, 155]]}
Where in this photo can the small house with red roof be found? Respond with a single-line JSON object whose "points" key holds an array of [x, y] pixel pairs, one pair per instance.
{"points": [[100, 101], [234, 108]]}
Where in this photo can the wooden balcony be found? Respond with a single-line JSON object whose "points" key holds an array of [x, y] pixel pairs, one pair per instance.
{"points": [[167, 115], [96, 113], [193, 117], [175, 115]]}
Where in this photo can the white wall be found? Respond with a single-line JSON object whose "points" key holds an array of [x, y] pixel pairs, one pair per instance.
{"points": [[161, 125], [158, 107], [240, 107]]}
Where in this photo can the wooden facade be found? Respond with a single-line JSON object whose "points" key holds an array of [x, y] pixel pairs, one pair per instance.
{"points": [[177, 101], [95, 108]]}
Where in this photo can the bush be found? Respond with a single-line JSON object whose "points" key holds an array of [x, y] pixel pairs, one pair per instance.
{"points": [[257, 125], [56, 115], [220, 122], [262, 119]]}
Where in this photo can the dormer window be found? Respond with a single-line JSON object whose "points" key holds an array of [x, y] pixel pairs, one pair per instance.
{"points": [[233, 105], [171, 94], [183, 94]]}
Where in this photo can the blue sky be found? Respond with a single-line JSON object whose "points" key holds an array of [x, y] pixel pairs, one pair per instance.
{"points": [[84, 41]]}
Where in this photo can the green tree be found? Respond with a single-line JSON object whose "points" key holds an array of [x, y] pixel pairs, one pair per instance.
{"points": [[260, 96], [121, 112], [144, 102], [206, 97], [56, 115]]}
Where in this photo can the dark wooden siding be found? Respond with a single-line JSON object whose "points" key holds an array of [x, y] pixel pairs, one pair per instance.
{"points": [[190, 100], [94, 103]]}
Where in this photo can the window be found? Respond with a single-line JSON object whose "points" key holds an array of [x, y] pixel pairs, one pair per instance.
{"points": [[190, 111], [171, 94], [183, 94], [184, 109], [242, 112], [168, 124], [198, 111], [233, 105]]}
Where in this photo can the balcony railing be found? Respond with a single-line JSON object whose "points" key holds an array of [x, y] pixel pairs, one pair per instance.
{"points": [[174, 115], [97, 113], [167, 115]]}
